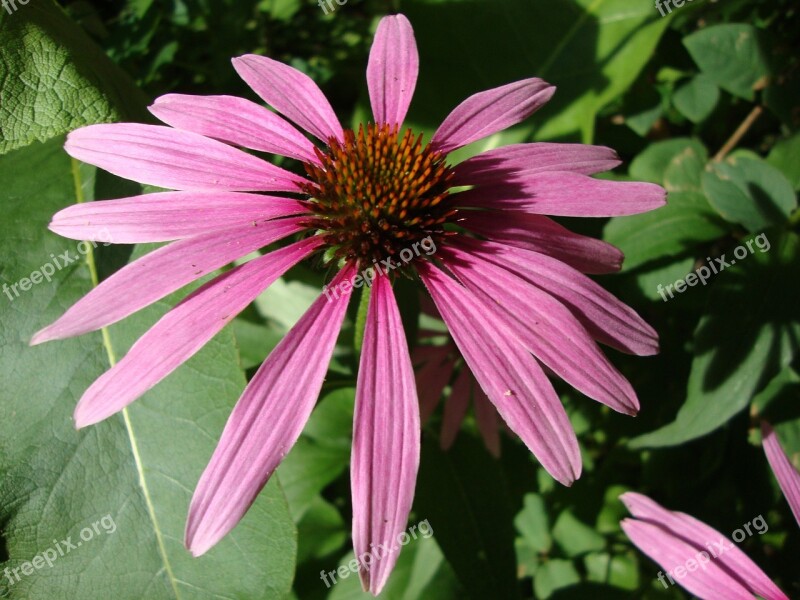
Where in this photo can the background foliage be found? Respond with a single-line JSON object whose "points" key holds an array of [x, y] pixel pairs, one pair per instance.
{"points": [[703, 101]]}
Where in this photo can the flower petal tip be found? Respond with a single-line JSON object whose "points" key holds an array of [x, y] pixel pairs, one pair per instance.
{"points": [[40, 337]]}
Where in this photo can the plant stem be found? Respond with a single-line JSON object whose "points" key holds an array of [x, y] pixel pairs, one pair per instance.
{"points": [[739, 133]]}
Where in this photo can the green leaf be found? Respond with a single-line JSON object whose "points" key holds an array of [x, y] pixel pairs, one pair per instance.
{"points": [[749, 191], [652, 163], [591, 50], [533, 525], [53, 78], [321, 454], [785, 156], [464, 496], [697, 98], [575, 537], [777, 403], [554, 575], [138, 467], [321, 531], [731, 56], [254, 341], [747, 336], [684, 222]]}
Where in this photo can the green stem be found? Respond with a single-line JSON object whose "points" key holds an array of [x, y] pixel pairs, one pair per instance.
{"points": [[361, 317]]}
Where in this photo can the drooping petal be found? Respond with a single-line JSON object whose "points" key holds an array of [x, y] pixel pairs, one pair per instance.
{"points": [[547, 329], [455, 408], [432, 378], [291, 93], [566, 194], [236, 121], [607, 320], [698, 537], [160, 273], [167, 216], [392, 70], [487, 418], [266, 421], [386, 438], [498, 165], [488, 112], [175, 159], [709, 583], [785, 472], [181, 333], [510, 377], [543, 235]]}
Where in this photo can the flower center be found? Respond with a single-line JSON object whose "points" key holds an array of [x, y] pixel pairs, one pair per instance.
{"points": [[377, 194]]}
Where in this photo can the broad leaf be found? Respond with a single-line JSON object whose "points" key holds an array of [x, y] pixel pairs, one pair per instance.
{"points": [[138, 468], [53, 78], [747, 336], [730, 55]]}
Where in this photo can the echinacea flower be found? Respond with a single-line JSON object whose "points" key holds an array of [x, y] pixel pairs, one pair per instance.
{"points": [[694, 555], [785, 472], [507, 281]]}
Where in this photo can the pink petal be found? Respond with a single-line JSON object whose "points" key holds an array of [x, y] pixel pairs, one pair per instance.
{"points": [[510, 377], [266, 422], [711, 583], [180, 333], [566, 194], [605, 318], [386, 438], [498, 165], [543, 235], [167, 216], [547, 329], [486, 416], [422, 354], [174, 159], [392, 70], [291, 93], [697, 536], [486, 113], [785, 472], [160, 273], [236, 121], [455, 408], [431, 381]]}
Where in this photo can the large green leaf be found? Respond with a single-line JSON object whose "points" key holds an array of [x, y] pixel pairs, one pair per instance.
{"points": [[138, 468], [684, 222], [749, 191], [731, 56], [748, 335], [592, 50], [53, 78]]}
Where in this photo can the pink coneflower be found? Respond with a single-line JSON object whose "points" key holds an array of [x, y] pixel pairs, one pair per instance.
{"points": [[699, 558], [512, 297]]}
